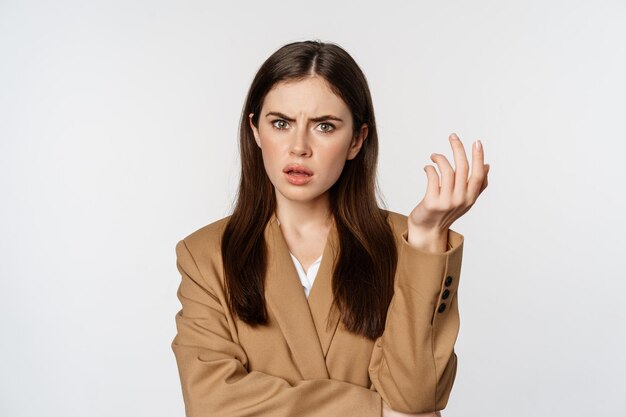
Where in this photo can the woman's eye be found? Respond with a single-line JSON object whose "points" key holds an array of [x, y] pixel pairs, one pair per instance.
{"points": [[282, 125], [327, 127], [279, 124]]}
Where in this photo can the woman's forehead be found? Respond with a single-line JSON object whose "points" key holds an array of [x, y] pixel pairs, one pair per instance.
{"points": [[310, 95]]}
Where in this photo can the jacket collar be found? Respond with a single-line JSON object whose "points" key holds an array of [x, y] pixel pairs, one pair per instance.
{"points": [[308, 325]]}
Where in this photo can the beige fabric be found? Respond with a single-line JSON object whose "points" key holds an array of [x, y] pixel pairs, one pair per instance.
{"points": [[305, 363]]}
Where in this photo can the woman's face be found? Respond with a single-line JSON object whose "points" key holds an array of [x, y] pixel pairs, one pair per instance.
{"points": [[305, 135]]}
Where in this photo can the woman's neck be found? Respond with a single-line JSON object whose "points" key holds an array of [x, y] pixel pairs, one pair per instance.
{"points": [[303, 215]]}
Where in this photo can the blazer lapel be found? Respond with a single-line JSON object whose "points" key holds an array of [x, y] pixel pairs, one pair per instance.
{"points": [[285, 296], [321, 295]]}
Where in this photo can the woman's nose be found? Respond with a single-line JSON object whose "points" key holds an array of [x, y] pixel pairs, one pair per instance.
{"points": [[300, 143]]}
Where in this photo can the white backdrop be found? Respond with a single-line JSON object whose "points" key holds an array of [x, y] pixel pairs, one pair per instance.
{"points": [[118, 127]]}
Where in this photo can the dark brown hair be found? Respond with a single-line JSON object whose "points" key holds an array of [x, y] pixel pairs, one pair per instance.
{"points": [[364, 270]]}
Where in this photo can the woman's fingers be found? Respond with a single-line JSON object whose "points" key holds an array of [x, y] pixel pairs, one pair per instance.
{"points": [[479, 172], [432, 188], [447, 173], [461, 167], [449, 197], [453, 180], [486, 181], [454, 184]]}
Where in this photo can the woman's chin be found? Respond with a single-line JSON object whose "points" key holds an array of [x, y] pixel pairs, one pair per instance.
{"points": [[300, 195]]}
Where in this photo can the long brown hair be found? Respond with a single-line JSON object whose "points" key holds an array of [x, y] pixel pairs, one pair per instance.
{"points": [[364, 271]]}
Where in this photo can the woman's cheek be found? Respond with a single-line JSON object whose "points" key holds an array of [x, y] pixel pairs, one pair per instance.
{"points": [[271, 165], [337, 170]]}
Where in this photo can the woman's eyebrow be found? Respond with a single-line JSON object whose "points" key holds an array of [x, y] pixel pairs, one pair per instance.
{"points": [[312, 119]]}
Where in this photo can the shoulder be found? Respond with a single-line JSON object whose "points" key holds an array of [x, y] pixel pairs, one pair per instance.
{"points": [[210, 232], [199, 254], [199, 257], [204, 242]]}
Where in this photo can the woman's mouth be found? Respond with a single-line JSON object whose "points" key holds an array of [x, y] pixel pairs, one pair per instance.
{"points": [[297, 174]]}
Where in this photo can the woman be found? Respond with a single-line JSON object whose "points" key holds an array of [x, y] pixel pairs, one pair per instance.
{"points": [[310, 300]]}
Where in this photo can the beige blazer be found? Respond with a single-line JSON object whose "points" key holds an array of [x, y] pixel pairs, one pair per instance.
{"points": [[305, 363]]}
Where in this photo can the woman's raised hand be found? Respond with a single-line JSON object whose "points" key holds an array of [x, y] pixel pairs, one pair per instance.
{"points": [[448, 198]]}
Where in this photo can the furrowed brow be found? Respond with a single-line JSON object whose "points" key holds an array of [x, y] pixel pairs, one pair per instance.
{"points": [[312, 119]]}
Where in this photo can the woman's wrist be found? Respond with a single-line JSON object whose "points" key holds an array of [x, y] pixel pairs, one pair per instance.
{"points": [[428, 240]]}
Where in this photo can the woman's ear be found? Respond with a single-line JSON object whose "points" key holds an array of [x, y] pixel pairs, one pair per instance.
{"points": [[357, 142], [255, 131]]}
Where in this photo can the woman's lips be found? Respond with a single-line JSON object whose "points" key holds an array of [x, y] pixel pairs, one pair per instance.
{"points": [[298, 168], [298, 178], [297, 174]]}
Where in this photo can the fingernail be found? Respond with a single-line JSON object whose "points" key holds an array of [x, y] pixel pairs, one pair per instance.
{"points": [[479, 145], [454, 136]]}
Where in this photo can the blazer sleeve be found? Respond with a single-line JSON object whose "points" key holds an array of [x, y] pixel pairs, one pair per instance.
{"points": [[213, 374], [413, 363]]}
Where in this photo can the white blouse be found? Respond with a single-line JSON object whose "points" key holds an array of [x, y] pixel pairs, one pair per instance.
{"points": [[306, 277]]}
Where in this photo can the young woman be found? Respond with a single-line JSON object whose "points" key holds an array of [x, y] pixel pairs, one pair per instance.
{"points": [[310, 299]]}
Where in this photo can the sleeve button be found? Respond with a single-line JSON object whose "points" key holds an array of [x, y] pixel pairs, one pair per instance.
{"points": [[445, 294], [448, 281], [441, 308]]}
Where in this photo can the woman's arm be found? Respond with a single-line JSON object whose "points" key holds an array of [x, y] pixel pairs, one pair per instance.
{"points": [[413, 363], [213, 376]]}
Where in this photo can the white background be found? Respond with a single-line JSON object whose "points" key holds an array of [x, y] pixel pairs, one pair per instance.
{"points": [[118, 127]]}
